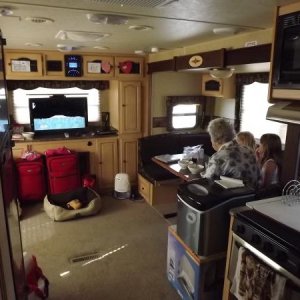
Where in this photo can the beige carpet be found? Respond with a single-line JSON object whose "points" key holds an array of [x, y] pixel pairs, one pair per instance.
{"points": [[127, 244]]}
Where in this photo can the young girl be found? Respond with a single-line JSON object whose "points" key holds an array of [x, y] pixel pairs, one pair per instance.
{"points": [[246, 138], [269, 157]]}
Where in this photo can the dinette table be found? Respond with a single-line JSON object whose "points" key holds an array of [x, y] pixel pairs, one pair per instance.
{"points": [[174, 168]]}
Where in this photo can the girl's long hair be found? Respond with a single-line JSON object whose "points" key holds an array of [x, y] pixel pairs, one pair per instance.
{"points": [[272, 148]]}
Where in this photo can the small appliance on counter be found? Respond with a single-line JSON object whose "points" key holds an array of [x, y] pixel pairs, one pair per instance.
{"points": [[203, 214]]}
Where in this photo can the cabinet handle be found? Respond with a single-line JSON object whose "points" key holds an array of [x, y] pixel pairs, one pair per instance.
{"points": [[124, 161], [124, 105], [89, 143]]}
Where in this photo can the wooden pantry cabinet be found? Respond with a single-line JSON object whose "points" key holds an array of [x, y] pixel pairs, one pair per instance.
{"points": [[125, 106]]}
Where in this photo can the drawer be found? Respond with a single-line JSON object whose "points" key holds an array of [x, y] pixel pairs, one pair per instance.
{"points": [[144, 188]]}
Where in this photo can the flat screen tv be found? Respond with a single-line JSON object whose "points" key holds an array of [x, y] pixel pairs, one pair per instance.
{"points": [[58, 113]]}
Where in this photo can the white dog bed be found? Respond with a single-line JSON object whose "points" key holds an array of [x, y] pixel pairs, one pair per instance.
{"points": [[55, 205]]}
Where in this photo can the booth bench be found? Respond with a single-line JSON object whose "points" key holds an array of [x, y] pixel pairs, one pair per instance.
{"points": [[155, 183]]}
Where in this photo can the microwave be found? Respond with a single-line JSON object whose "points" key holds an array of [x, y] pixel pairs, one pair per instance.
{"points": [[286, 56]]}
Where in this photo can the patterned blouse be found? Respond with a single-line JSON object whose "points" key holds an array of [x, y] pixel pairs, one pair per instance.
{"points": [[235, 161]]}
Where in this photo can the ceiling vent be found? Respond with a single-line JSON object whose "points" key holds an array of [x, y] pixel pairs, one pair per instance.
{"points": [[141, 3], [81, 36], [107, 19]]}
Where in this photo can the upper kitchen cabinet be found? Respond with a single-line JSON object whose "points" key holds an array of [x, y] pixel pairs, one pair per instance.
{"points": [[285, 71], [101, 67], [54, 64], [129, 67], [23, 65], [223, 88]]}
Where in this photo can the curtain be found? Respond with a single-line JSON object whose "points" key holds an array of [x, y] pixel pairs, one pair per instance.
{"points": [[57, 84], [242, 79]]}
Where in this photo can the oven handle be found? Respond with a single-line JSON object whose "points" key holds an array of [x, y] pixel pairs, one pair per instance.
{"points": [[266, 260]]}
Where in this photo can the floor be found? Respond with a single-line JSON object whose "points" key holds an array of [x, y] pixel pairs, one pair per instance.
{"points": [[119, 253]]}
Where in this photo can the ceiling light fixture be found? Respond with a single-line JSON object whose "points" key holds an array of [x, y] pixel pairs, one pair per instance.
{"points": [[67, 48], [33, 44], [140, 27], [101, 47], [107, 19], [5, 11], [225, 30], [221, 73]]}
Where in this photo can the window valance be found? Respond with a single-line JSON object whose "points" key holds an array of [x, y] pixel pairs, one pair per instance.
{"points": [[56, 84]]}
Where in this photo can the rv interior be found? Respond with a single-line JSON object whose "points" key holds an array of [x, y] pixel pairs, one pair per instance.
{"points": [[128, 64]]}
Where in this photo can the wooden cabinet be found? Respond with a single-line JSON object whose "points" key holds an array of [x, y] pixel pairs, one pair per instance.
{"points": [[23, 65], [107, 162], [224, 88], [54, 64], [128, 146], [101, 67], [129, 67], [130, 107]]}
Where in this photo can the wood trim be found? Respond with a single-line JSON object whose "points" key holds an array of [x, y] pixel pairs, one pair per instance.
{"points": [[289, 8], [210, 59], [161, 66], [291, 159], [248, 55]]}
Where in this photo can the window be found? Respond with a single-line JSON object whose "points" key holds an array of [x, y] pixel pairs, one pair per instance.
{"points": [[253, 111], [185, 112], [21, 101]]}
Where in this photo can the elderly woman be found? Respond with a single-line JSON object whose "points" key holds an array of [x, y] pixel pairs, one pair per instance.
{"points": [[231, 159]]}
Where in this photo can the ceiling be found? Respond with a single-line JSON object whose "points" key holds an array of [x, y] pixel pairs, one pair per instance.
{"points": [[169, 24]]}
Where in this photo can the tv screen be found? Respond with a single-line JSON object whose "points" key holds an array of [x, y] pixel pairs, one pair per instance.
{"points": [[58, 113]]}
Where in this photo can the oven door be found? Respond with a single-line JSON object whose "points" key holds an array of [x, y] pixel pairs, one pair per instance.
{"points": [[290, 284]]}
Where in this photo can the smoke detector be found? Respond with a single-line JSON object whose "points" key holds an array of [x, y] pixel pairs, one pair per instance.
{"points": [[107, 19], [39, 20], [80, 36]]}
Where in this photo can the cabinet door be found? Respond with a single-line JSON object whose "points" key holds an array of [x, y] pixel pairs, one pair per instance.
{"points": [[211, 87], [54, 65], [100, 67], [129, 157], [23, 65], [130, 107], [107, 152], [129, 67]]}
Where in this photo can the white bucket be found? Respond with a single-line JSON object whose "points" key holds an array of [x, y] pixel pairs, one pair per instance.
{"points": [[122, 186]]}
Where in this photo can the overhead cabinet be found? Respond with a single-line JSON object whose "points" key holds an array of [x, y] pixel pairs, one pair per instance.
{"points": [[224, 88], [129, 67], [23, 65], [98, 66], [54, 65]]}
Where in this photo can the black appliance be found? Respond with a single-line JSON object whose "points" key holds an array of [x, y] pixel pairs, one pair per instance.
{"points": [[286, 62], [269, 230], [12, 277], [203, 214]]}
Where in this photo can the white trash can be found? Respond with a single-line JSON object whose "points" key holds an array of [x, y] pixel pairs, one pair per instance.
{"points": [[122, 186]]}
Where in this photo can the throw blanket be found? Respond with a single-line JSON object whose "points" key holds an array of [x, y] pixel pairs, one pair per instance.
{"points": [[255, 281]]}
